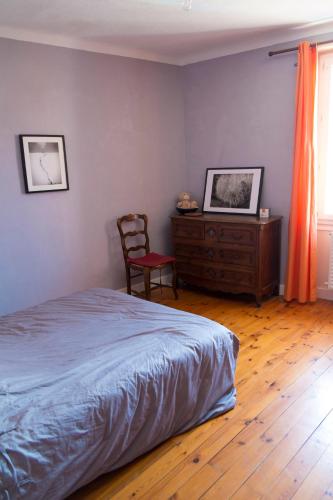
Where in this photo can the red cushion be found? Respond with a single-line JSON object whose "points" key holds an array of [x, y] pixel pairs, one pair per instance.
{"points": [[151, 260]]}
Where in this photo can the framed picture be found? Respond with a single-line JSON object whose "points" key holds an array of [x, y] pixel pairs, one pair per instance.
{"points": [[233, 190], [44, 163]]}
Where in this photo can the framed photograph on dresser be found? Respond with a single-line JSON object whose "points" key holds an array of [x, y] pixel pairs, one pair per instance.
{"points": [[44, 163], [233, 190]]}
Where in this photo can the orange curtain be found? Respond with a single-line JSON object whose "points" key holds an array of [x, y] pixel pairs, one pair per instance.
{"points": [[301, 278]]}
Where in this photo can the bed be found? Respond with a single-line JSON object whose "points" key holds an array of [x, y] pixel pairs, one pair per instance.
{"points": [[91, 381]]}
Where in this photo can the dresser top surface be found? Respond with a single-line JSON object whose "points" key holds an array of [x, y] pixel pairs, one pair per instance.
{"points": [[236, 219]]}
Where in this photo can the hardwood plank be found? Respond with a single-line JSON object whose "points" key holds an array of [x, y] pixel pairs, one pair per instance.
{"points": [[239, 458], [318, 481], [260, 482], [253, 441], [287, 482], [237, 421]]}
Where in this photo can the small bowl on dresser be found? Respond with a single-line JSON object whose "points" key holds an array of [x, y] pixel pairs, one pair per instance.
{"points": [[184, 211]]}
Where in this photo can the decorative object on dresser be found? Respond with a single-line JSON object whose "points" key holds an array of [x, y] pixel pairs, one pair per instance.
{"points": [[265, 213], [233, 190], [133, 230], [185, 205], [237, 254], [44, 163]]}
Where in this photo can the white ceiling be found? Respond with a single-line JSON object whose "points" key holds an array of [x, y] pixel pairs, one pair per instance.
{"points": [[161, 30]]}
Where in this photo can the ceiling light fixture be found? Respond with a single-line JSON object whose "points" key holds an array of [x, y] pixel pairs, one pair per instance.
{"points": [[187, 4]]}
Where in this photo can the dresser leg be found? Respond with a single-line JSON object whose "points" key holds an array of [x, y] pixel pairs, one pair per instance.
{"points": [[258, 299]]}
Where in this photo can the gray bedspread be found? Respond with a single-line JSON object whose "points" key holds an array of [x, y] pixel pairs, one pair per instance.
{"points": [[91, 381]]}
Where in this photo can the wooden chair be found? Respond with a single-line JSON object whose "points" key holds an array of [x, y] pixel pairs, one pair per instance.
{"points": [[144, 264]]}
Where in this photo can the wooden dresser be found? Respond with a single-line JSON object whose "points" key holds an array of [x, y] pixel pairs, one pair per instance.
{"points": [[230, 253]]}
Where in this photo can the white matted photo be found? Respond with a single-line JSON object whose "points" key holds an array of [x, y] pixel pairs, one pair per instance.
{"points": [[233, 190], [44, 163]]}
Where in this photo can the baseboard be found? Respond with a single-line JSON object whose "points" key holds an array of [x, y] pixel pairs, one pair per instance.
{"points": [[167, 280], [325, 293], [322, 293], [139, 285]]}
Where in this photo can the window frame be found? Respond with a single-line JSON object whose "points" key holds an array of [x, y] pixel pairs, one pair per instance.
{"points": [[324, 99]]}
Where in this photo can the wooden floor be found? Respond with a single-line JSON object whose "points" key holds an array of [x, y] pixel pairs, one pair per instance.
{"points": [[278, 441]]}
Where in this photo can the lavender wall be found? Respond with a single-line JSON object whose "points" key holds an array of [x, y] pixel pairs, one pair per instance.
{"points": [[123, 122], [126, 140], [239, 111]]}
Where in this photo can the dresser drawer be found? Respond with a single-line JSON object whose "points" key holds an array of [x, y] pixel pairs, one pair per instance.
{"points": [[188, 268], [230, 233], [239, 256], [216, 272], [230, 276], [228, 255], [189, 229]]}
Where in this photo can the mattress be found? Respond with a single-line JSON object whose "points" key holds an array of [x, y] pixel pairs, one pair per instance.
{"points": [[91, 381]]}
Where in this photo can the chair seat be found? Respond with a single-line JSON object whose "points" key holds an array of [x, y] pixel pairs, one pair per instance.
{"points": [[151, 260]]}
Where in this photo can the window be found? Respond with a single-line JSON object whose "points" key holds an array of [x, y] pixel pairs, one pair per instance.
{"points": [[325, 135]]}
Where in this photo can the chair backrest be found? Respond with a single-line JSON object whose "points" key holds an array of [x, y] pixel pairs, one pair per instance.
{"points": [[130, 218]]}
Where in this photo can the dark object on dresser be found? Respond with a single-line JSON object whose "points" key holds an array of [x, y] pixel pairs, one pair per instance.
{"points": [[238, 254], [184, 211]]}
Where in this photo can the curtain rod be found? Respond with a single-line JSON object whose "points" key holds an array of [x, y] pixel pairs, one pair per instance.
{"points": [[293, 49]]}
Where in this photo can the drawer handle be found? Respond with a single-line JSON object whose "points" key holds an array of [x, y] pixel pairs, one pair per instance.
{"points": [[210, 252], [211, 232]]}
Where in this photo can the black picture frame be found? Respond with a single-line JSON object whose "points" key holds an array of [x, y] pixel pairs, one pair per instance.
{"points": [[44, 162], [234, 190]]}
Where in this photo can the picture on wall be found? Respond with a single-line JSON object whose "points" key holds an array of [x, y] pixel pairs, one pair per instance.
{"points": [[44, 163], [233, 190]]}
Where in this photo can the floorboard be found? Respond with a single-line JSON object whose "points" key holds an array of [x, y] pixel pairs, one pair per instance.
{"points": [[278, 441]]}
